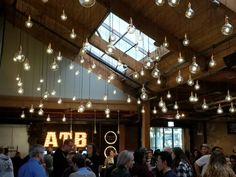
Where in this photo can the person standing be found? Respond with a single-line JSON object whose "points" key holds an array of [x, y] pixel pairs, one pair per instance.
{"points": [[60, 162], [33, 167], [6, 166], [48, 159]]}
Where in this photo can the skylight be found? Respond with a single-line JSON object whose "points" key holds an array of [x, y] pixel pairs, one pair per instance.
{"points": [[135, 45]]}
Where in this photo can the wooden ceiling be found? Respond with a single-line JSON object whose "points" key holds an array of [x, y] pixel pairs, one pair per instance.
{"points": [[203, 30]]}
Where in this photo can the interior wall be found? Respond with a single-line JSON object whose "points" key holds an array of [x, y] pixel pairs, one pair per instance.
{"points": [[16, 137], [40, 63]]}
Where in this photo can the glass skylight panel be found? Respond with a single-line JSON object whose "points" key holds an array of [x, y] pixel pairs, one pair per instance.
{"points": [[135, 54]]}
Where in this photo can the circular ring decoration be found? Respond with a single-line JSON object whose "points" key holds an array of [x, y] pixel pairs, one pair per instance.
{"points": [[109, 141], [109, 147]]}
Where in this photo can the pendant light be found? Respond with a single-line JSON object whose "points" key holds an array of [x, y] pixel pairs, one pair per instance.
{"points": [[87, 3], [186, 41], [49, 50], [31, 110], [63, 15], [131, 28], [195, 98], [189, 13], [159, 80], [161, 103], [164, 108], [168, 95], [26, 65], [179, 78], [53, 93], [59, 57], [155, 72], [144, 95], [227, 28], [176, 106], [64, 118], [180, 58], [41, 80], [89, 104], [191, 98], [74, 98], [228, 97], [54, 66], [160, 2], [138, 101], [99, 77], [40, 112], [20, 90], [22, 115], [28, 22], [40, 104], [73, 34], [77, 72], [136, 75], [194, 67], [19, 56], [148, 62], [212, 62], [107, 110], [59, 80], [81, 108], [129, 99], [177, 116], [154, 111], [71, 66], [142, 73], [48, 118], [45, 95], [219, 109], [110, 48], [142, 110], [204, 105], [95, 123], [105, 98], [197, 86], [173, 3], [190, 81], [59, 101], [232, 108], [165, 43]]}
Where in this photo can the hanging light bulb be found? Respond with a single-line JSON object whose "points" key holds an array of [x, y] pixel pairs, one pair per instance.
{"points": [[155, 72], [195, 98], [232, 108], [157, 57], [45, 95], [105, 98], [19, 56], [19, 83], [179, 78], [107, 110], [48, 118], [154, 111], [89, 70], [161, 103], [189, 13], [41, 104], [114, 92], [112, 37], [26, 65], [131, 28], [219, 110], [81, 108], [107, 115], [87, 3], [227, 28], [99, 76], [204, 105], [176, 105], [165, 43], [71, 66], [194, 67], [180, 58], [144, 95], [148, 63], [38, 88], [138, 101], [168, 95], [136, 75], [73, 34], [228, 97], [182, 115], [191, 98], [64, 118], [28, 22], [128, 99], [41, 80], [74, 98], [40, 112], [54, 66], [17, 77], [186, 41], [31, 110], [190, 81], [59, 80], [20, 90], [77, 72], [53, 93], [63, 15], [143, 110], [59, 57], [160, 2], [22, 115], [59, 101], [49, 49], [110, 48], [89, 104], [86, 44], [93, 66], [177, 116], [142, 73], [197, 86], [173, 3], [164, 108], [159, 80], [212, 62]]}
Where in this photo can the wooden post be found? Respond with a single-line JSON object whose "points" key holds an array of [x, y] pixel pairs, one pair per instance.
{"points": [[146, 125]]}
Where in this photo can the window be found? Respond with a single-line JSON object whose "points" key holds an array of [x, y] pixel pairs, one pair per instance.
{"points": [[165, 137]]}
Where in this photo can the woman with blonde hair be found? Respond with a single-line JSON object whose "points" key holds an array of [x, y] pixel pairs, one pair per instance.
{"points": [[217, 166]]}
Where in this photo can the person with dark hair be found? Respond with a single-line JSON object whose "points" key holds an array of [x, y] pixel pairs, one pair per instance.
{"points": [[203, 161], [92, 158], [17, 163], [34, 168], [181, 164], [205, 149], [82, 170], [60, 162], [140, 168], [72, 161], [196, 154], [164, 163], [48, 159], [217, 166], [111, 168], [233, 162]]}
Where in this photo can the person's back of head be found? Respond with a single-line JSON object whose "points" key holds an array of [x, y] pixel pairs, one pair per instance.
{"points": [[217, 157], [79, 160], [124, 158], [35, 150], [140, 155], [166, 157]]}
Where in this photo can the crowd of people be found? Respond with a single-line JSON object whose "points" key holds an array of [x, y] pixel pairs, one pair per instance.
{"points": [[66, 162]]}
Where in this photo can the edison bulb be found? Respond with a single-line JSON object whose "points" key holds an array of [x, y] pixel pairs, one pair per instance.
{"points": [[20, 90], [54, 66], [176, 106], [173, 3], [161, 103], [165, 43], [59, 101], [89, 104], [179, 78], [143, 110], [99, 76], [138, 101], [45, 95], [232, 108], [87, 3], [28, 22], [128, 99], [160, 2], [180, 58], [74, 98], [63, 15], [40, 112], [219, 109], [136, 75], [48, 118], [227, 28], [190, 81], [59, 57], [142, 73], [131, 28], [107, 111], [64, 118], [148, 63], [194, 67], [212, 62], [168, 95], [73, 34], [155, 72], [22, 115], [204, 105], [164, 109], [114, 92], [154, 111], [186, 41], [49, 49], [53, 93], [31, 110], [189, 12], [41, 80]]}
